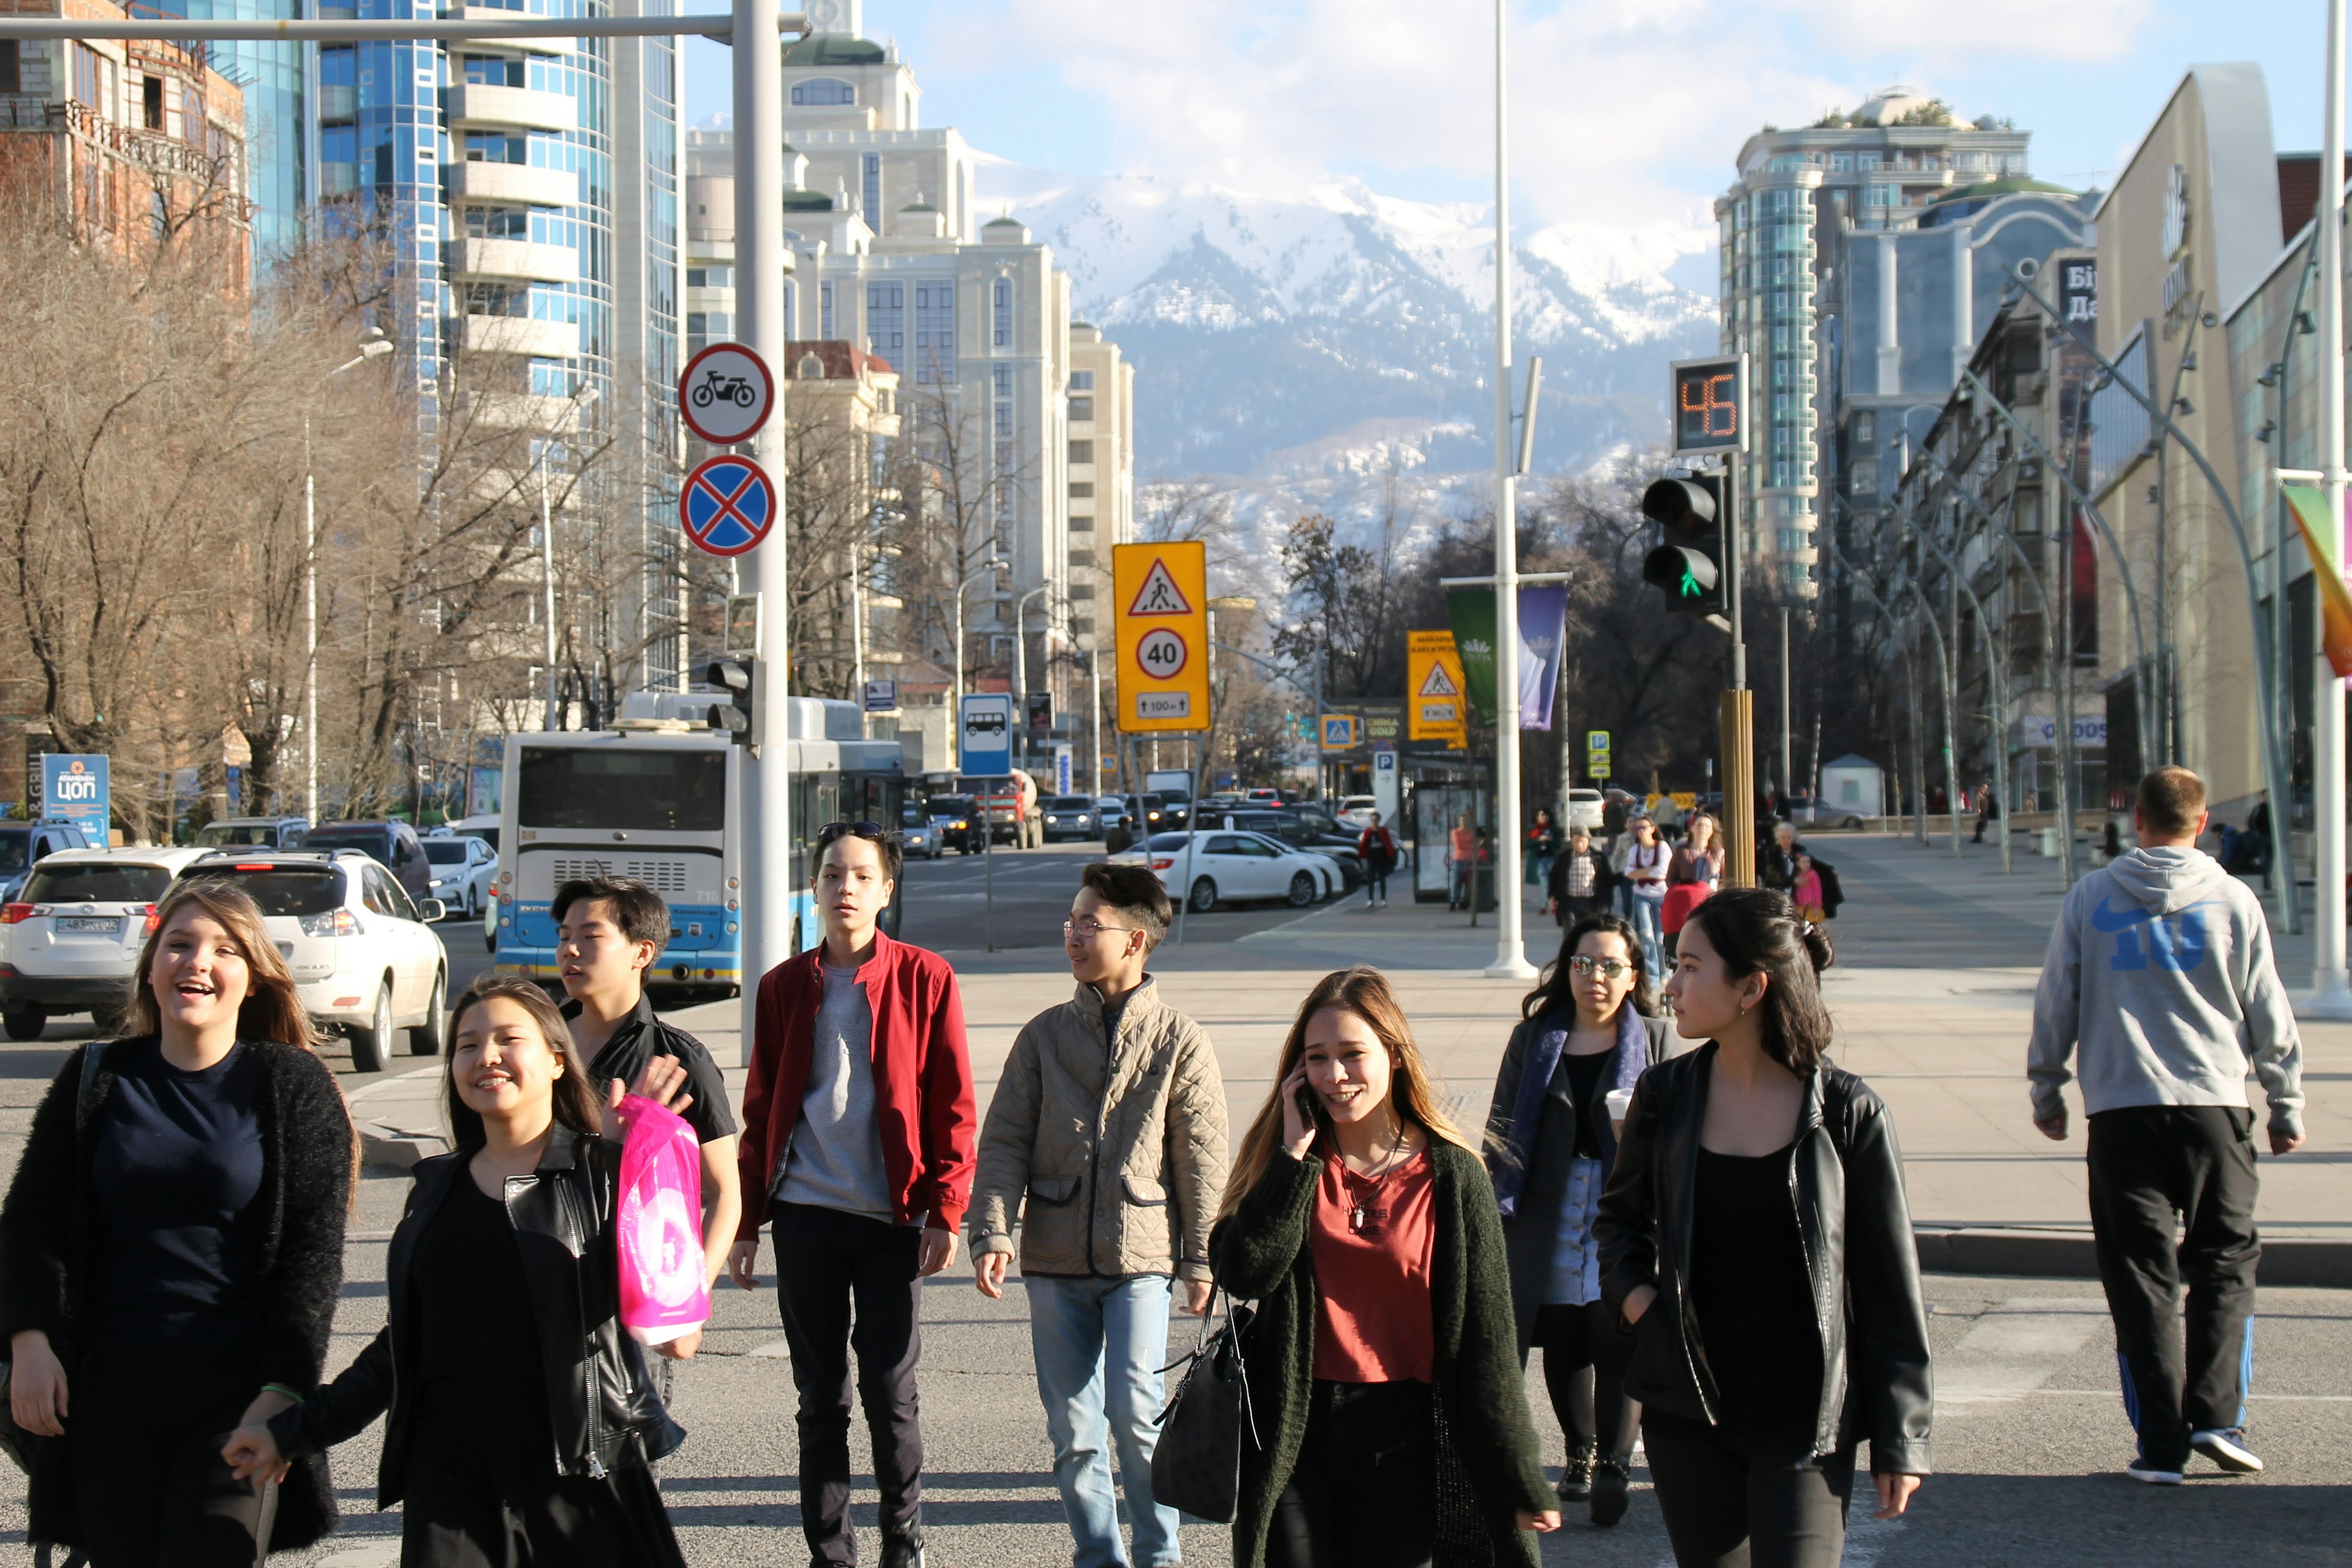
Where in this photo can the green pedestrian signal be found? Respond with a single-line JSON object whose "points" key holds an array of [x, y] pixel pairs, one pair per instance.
{"points": [[1689, 561]]}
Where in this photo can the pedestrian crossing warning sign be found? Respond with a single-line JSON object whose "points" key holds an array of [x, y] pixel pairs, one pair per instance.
{"points": [[1433, 709], [1160, 595]]}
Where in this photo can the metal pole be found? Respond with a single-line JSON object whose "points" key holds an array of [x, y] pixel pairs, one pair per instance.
{"points": [[547, 581], [857, 637], [766, 860], [309, 631], [1511, 948], [1094, 784], [2331, 988]]}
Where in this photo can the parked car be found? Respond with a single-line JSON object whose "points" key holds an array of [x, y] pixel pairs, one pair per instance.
{"points": [[1585, 808], [484, 827], [364, 955], [1358, 811], [957, 816], [1234, 867], [255, 832], [464, 871], [1262, 797], [919, 835], [70, 943], [25, 845], [391, 845], [1111, 811], [1071, 816], [1300, 828]]}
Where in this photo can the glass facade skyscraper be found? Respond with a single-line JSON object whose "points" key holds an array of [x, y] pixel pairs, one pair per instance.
{"points": [[274, 77]]}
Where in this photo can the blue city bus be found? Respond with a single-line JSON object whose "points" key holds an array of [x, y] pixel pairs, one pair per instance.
{"points": [[660, 799]]}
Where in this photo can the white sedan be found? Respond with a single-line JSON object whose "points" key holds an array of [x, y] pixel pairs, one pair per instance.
{"points": [[1211, 865]]}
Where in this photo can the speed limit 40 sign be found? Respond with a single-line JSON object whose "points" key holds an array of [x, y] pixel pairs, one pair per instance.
{"points": [[1161, 595]]}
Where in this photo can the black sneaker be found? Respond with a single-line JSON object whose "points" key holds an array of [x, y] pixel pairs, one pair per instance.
{"points": [[2152, 1473], [2226, 1446], [1609, 1483], [906, 1551], [1576, 1480]]}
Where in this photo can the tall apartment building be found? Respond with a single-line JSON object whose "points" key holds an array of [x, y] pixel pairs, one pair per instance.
{"points": [[1877, 169], [278, 81], [890, 254], [529, 190]]}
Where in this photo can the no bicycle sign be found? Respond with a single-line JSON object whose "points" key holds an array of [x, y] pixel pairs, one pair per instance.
{"points": [[728, 506]]}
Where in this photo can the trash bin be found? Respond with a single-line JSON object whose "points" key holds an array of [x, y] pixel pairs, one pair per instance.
{"points": [[2045, 843]]}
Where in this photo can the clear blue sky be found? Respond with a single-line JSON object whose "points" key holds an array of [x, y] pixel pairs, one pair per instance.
{"points": [[1618, 118]]}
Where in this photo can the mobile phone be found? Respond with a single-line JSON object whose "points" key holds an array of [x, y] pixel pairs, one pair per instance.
{"points": [[1305, 1096]]}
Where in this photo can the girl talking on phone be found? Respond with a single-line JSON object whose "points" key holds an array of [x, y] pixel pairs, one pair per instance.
{"points": [[1363, 1224]]}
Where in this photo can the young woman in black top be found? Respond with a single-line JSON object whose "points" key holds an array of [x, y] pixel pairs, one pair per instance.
{"points": [[522, 1419], [1754, 1181], [173, 1246], [1587, 1029]]}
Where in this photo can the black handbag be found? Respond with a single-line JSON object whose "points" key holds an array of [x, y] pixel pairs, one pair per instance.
{"points": [[1197, 1467]]}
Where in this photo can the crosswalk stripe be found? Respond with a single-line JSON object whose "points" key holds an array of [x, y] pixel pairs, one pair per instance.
{"points": [[2015, 1347]]}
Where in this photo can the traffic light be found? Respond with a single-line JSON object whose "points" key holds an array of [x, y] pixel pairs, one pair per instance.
{"points": [[738, 715], [1689, 565]]}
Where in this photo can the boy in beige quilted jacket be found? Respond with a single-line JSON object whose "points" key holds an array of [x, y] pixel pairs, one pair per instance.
{"points": [[1106, 1143]]}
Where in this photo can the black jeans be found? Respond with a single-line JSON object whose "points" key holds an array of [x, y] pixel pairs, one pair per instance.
{"points": [[2158, 1170], [1364, 1491], [1584, 1365], [1739, 1499], [826, 1262], [145, 1437]]}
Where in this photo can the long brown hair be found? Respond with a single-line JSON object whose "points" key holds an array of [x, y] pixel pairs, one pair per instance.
{"points": [[1364, 991], [272, 1008], [577, 1105]]}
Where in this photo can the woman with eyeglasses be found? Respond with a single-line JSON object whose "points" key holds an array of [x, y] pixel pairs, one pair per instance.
{"points": [[1586, 1030], [859, 1131]]}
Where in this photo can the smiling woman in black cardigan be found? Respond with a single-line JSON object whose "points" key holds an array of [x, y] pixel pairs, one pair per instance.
{"points": [[172, 1248]]}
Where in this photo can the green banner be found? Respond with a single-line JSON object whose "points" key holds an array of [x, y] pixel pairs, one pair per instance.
{"points": [[1471, 612]]}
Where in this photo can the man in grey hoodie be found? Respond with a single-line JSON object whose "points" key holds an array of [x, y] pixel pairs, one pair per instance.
{"points": [[2160, 973]]}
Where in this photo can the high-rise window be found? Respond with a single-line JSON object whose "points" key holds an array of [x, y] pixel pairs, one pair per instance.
{"points": [[1082, 408], [824, 311], [1082, 380], [824, 94], [873, 192], [885, 321], [1001, 384], [492, 70], [1001, 303], [11, 72], [935, 350], [1082, 452]]}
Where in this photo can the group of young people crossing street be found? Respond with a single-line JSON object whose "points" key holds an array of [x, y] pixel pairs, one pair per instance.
{"points": [[1695, 1215]]}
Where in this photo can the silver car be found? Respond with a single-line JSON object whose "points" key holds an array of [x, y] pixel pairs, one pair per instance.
{"points": [[919, 835]]}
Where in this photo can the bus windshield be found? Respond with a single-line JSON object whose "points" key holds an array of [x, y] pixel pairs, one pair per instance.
{"points": [[641, 789]]}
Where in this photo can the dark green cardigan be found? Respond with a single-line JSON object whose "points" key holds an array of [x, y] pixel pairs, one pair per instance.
{"points": [[1261, 1253]]}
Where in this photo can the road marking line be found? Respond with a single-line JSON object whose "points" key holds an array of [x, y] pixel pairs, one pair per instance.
{"points": [[2015, 1347]]}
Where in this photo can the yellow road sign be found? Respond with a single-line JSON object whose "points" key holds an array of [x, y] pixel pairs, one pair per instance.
{"points": [[1161, 595], [1434, 706]]}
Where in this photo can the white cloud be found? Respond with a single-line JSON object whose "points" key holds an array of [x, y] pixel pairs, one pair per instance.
{"points": [[1624, 110]]}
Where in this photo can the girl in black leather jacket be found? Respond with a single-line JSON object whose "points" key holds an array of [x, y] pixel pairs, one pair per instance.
{"points": [[1755, 1237], [518, 1405]]}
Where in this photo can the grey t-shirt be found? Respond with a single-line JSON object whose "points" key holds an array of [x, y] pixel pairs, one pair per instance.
{"points": [[834, 1158]]}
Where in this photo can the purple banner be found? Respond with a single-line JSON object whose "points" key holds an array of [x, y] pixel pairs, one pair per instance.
{"points": [[1543, 636]]}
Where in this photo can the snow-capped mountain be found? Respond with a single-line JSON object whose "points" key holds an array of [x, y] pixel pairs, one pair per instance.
{"points": [[1297, 343]]}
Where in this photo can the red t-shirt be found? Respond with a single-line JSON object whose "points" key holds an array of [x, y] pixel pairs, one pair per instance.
{"points": [[1372, 1319]]}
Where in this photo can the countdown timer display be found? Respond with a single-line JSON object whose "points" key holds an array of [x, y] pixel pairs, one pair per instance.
{"points": [[1708, 398]]}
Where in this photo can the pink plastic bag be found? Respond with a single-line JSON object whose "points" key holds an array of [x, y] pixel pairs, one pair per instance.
{"points": [[665, 1292]]}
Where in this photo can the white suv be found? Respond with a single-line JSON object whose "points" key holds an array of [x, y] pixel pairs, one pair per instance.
{"points": [[70, 943], [366, 958]]}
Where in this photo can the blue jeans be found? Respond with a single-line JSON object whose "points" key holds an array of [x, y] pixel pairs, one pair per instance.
{"points": [[1644, 916], [1072, 1323]]}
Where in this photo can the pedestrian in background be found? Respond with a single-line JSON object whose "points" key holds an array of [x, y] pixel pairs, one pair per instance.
{"points": [[1543, 847], [1581, 882], [1587, 1029], [1110, 1124], [1377, 847], [859, 1149], [1362, 1223], [1987, 807], [1693, 873], [608, 932], [1462, 863], [1642, 864], [521, 1418], [1808, 895], [2161, 975], [1756, 1237], [171, 1251]]}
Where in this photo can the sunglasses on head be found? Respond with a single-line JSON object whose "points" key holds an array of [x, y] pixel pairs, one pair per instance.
{"points": [[872, 831]]}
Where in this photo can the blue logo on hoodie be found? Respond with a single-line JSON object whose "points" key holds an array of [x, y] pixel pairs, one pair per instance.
{"points": [[2177, 940]]}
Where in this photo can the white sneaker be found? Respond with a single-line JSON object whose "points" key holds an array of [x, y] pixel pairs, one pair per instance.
{"points": [[2226, 1446]]}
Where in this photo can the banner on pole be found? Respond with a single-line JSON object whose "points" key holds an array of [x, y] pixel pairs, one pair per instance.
{"points": [[1543, 626], [2308, 502]]}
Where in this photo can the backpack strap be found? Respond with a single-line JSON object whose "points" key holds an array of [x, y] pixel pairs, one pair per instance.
{"points": [[94, 1057]]}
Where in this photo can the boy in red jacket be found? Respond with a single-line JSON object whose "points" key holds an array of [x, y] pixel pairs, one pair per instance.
{"points": [[858, 1134]]}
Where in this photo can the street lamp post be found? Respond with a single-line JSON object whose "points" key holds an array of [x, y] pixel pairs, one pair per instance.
{"points": [[986, 568], [2331, 987], [1510, 949], [374, 349], [1021, 663]]}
